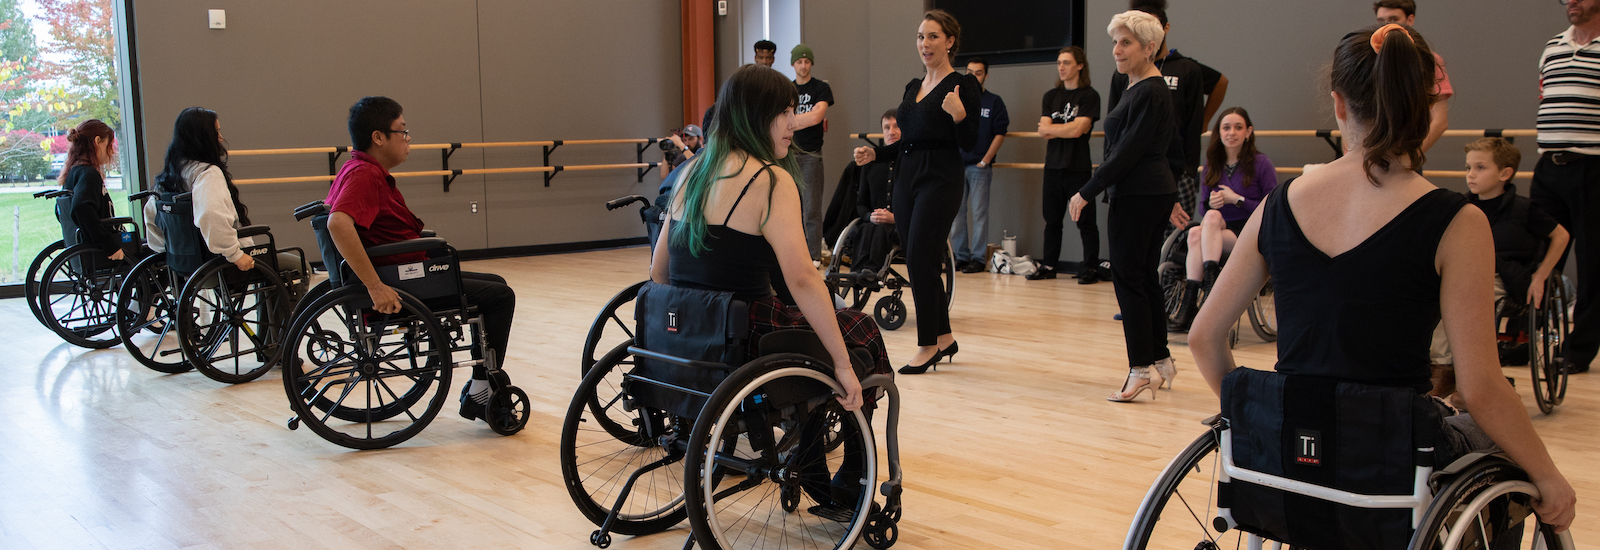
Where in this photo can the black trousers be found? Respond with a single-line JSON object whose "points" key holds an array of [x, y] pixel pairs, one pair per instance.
{"points": [[1570, 193], [927, 195], [1135, 224], [497, 303], [1059, 187]]}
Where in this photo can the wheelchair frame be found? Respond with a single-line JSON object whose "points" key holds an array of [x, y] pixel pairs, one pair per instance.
{"points": [[1170, 273], [1545, 334], [93, 288], [890, 311]]}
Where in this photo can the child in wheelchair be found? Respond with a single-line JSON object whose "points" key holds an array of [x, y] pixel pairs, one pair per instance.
{"points": [[1527, 245]]}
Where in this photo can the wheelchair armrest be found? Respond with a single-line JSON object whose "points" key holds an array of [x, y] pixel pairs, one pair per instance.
{"points": [[691, 363], [253, 230], [406, 247], [309, 209], [142, 195], [116, 221], [428, 233], [807, 343]]}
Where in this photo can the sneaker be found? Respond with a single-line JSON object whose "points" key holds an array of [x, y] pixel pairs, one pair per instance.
{"points": [[471, 409], [1574, 368], [1042, 273], [1088, 276], [972, 267]]}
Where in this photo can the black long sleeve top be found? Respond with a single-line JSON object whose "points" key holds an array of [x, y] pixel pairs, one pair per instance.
{"points": [[1143, 149], [925, 122], [89, 205]]}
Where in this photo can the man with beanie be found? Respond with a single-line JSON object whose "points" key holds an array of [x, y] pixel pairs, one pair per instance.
{"points": [[810, 113], [766, 53]]}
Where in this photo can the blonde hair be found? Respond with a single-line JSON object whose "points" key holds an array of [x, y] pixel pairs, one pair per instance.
{"points": [[1505, 154], [1142, 26]]}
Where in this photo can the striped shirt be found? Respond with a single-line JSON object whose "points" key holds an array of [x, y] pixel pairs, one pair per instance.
{"points": [[1569, 102]]}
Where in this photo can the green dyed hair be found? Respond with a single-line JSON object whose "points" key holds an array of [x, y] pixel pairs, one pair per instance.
{"points": [[741, 124]]}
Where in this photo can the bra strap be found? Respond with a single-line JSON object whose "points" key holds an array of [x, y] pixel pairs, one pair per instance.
{"points": [[764, 168]]}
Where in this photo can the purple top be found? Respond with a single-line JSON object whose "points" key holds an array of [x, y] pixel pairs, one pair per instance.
{"points": [[1266, 179]]}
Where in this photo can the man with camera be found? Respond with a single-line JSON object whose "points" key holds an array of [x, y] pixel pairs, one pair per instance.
{"points": [[682, 145]]}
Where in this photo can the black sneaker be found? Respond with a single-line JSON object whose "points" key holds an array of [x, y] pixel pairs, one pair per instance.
{"points": [[973, 266], [470, 408], [1088, 276], [1041, 273], [1574, 368]]}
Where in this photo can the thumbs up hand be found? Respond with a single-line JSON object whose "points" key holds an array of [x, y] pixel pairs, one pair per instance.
{"points": [[952, 105]]}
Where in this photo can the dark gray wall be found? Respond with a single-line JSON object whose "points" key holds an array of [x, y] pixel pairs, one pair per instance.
{"points": [[284, 74]]}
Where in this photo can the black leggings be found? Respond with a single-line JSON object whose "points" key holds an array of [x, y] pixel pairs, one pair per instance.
{"points": [[1569, 194], [1135, 227], [927, 195], [497, 303], [1059, 187]]}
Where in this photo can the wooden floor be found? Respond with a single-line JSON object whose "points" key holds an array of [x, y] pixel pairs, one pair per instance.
{"points": [[1011, 446]]}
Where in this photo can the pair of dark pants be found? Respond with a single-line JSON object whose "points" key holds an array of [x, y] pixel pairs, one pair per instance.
{"points": [[497, 304], [927, 194], [1569, 193], [1135, 224], [1059, 187]]}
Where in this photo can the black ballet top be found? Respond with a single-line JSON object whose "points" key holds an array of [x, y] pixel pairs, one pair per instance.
{"points": [[734, 261], [1368, 314], [1144, 152], [925, 125]]}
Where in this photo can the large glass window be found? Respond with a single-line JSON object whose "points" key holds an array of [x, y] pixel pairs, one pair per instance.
{"points": [[58, 67]]}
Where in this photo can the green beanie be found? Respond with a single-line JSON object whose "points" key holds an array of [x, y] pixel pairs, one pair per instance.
{"points": [[801, 52]]}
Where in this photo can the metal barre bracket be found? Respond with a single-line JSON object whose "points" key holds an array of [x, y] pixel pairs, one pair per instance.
{"points": [[1337, 143], [333, 159], [551, 174], [547, 150], [639, 157], [444, 155], [646, 170]]}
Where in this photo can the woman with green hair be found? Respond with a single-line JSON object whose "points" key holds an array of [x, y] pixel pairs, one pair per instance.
{"points": [[735, 218]]}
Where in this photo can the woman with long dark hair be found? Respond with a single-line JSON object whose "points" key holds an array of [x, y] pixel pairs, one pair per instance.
{"points": [[1143, 151], [1070, 110], [1236, 180], [1366, 256], [937, 118], [197, 163], [91, 147]]}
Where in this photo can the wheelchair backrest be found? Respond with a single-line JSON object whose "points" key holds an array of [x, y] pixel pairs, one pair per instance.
{"points": [[697, 325], [331, 260], [69, 229], [1353, 437], [186, 247]]}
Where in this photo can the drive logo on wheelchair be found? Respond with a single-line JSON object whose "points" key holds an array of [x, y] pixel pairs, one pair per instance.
{"points": [[435, 268], [1309, 452]]}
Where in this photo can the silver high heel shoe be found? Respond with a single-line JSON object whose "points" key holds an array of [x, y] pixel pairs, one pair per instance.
{"points": [[1168, 370], [1149, 374]]}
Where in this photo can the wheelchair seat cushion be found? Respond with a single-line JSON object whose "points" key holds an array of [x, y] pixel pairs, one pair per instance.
{"points": [[1349, 436], [694, 324]]}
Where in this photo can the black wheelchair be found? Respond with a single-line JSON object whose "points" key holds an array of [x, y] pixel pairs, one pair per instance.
{"points": [[30, 285], [1326, 464], [76, 292], [609, 327], [1534, 336], [856, 250], [369, 380], [768, 457], [1173, 276], [200, 310]]}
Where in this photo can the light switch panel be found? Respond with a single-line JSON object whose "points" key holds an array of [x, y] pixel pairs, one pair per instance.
{"points": [[219, 18]]}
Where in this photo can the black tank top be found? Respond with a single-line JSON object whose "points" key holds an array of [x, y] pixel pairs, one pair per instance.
{"points": [[1368, 314], [734, 261]]}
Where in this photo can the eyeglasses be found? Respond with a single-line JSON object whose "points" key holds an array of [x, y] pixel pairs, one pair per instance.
{"points": [[407, 133], [1566, 2]]}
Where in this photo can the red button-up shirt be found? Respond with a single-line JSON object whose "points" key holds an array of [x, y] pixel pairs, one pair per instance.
{"points": [[366, 192]]}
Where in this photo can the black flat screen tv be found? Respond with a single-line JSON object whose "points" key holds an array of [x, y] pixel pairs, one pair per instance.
{"points": [[1015, 31]]}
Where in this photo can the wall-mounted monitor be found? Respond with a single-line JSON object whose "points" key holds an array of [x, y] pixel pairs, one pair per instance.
{"points": [[1015, 31]]}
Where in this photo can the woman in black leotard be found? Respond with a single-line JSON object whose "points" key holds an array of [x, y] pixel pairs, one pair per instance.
{"points": [[1322, 237], [735, 217], [934, 125]]}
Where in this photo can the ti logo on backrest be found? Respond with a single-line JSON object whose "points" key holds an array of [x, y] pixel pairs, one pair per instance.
{"points": [[672, 320], [1308, 447]]}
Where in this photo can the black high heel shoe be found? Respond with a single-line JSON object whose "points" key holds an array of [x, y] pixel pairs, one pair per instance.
{"points": [[933, 363]]}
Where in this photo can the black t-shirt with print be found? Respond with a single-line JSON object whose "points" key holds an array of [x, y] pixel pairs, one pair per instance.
{"points": [[1191, 82], [811, 93], [1062, 106]]}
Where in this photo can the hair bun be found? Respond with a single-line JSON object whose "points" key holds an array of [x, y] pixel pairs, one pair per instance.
{"points": [[72, 135]]}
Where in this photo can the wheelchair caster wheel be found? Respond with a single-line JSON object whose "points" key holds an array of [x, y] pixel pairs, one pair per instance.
{"points": [[880, 532], [507, 412], [294, 423], [890, 313], [600, 539]]}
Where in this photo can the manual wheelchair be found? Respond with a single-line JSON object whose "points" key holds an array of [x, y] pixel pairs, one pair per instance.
{"points": [[869, 274], [368, 380], [200, 310], [75, 295], [1326, 464], [1535, 336], [768, 457], [1173, 277]]}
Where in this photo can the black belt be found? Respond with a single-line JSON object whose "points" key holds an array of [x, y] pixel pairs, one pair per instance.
{"points": [[1567, 157], [928, 145]]}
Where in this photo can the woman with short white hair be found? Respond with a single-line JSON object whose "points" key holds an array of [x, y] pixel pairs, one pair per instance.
{"points": [[1143, 151]]}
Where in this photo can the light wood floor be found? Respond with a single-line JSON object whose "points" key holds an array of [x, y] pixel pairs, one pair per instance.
{"points": [[1011, 446]]}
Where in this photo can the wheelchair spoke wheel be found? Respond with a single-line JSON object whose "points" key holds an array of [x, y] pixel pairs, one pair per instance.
{"points": [[77, 296], [30, 286], [1179, 509], [765, 426], [605, 440], [1547, 332], [1171, 277], [390, 381], [1486, 505], [1264, 314], [612, 325], [508, 410], [146, 308], [233, 321]]}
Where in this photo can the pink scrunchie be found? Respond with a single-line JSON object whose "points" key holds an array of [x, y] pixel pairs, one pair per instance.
{"points": [[1383, 32]]}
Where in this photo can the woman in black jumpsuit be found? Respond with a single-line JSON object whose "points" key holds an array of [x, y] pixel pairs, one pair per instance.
{"points": [[935, 124]]}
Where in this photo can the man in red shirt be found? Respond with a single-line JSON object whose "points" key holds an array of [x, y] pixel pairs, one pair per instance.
{"points": [[368, 210]]}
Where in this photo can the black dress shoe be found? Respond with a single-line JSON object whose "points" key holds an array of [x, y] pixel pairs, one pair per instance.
{"points": [[1041, 273], [1574, 368], [972, 267], [1088, 276], [933, 363]]}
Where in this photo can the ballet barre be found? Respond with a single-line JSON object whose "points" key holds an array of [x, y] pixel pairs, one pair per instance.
{"points": [[448, 175]]}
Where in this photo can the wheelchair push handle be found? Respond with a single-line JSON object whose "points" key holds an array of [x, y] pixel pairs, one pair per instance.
{"points": [[614, 204], [53, 193], [310, 209]]}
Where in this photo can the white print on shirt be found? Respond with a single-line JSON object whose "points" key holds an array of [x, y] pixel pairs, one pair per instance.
{"points": [[805, 105], [1066, 114], [1172, 82], [985, 113]]}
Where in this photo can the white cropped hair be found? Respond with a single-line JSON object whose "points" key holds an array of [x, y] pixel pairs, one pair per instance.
{"points": [[1143, 26]]}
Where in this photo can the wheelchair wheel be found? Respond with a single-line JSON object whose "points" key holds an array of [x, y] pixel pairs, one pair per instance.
{"points": [[232, 322], [1178, 510], [30, 286], [947, 275], [389, 384], [1486, 503], [77, 296], [146, 307], [1171, 273], [508, 410], [602, 448], [767, 420], [1264, 314], [890, 312], [1547, 332], [612, 325]]}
